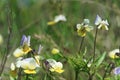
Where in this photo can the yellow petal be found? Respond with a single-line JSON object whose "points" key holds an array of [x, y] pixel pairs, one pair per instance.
{"points": [[59, 70], [51, 23], [30, 71], [26, 49]]}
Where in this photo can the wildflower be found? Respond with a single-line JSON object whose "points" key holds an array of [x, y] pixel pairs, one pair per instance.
{"points": [[29, 65], [12, 67], [55, 66], [55, 51], [116, 71], [1, 39], [102, 24], [57, 19], [25, 47], [83, 28], [114, 54]]}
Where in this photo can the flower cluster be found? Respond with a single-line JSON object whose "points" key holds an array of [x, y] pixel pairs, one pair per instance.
{"points": [[115, 55], [57, 19], [27, 58], [84, 27]]}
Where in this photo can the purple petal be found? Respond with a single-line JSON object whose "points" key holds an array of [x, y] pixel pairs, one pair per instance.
{"points": [[116, 71], [23, 40]]}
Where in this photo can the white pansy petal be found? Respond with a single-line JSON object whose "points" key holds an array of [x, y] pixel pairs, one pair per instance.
{"points": [[78, 26], [86, 21], [12, 67], [106, 27], [59, 64], [18, 64], [18, 52], [99, 26], [51, 61], [98, 20], [60, 18], [106, 22]]}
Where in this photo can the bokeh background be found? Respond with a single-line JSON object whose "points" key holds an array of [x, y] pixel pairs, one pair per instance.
{"points": [[30, 17]]}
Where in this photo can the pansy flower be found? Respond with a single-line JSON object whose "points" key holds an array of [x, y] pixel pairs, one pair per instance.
{"points": [[29, 65], [55, 66], [57, 19], [83, 28], [114, 54], [24, 48], [102, 24]]}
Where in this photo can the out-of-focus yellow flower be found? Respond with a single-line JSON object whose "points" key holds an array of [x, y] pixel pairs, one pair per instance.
{"points": [[12, 66], [83, 28], [1, 39], [57, 19], [114, 54], [55, 51], [102, 24], [55, 66]]}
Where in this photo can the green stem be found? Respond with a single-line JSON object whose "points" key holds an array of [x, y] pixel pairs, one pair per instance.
{"points": [[9, 21], [76, 74], [19, 74], [108, 70], [27, 77], [81, 45], [95, 44]]}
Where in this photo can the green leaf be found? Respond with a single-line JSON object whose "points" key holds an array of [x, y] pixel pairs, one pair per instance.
{"points": [[99, 77], [100, 60]]}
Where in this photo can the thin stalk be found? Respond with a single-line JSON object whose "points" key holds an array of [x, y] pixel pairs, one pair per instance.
{"points": [[90, 75], [9, 13], [19, 74], [95, 44], [81, 43], [108, 69], [76, 74], [27, 77]]}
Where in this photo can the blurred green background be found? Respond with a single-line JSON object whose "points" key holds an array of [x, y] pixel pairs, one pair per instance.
{"points": [[30, 17]]}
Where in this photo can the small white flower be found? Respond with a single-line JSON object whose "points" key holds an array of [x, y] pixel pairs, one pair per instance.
{"points": [[55, 66], [12, 67], [60, 18], [102, 24], [113, 54]]}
